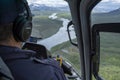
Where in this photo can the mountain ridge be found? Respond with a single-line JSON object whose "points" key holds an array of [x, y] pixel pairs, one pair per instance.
{"points": [[43, 7]]}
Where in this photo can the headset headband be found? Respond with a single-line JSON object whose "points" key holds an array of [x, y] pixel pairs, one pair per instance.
{"points": [[29, 14]]}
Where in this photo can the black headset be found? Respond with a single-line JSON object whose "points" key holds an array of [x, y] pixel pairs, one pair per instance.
{"points": [[22, 26]]}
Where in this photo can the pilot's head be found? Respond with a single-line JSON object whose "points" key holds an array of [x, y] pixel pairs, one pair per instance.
{"points": [[15, 20]]}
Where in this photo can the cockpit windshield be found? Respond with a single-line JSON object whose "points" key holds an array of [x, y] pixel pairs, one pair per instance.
{"points": [[50, 20], [108, 11]]}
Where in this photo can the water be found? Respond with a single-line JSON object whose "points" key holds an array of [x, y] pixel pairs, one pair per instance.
{"points": [[60, 37]]}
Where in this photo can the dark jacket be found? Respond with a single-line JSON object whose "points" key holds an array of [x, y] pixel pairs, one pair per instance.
{"points": [[24, 66]]}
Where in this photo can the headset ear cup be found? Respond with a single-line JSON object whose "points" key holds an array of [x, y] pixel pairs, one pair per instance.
{"points": [[22, 29], [15, 27], [26, 31]]}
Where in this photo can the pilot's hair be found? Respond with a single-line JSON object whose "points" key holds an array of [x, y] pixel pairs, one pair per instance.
{"points": [[6, 32]]}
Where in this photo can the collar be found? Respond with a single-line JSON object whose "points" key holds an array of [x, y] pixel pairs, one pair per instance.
{"points": [[9, 53]]}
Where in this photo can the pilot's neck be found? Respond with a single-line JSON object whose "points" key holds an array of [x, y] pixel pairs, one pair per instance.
{"points": [[12, 42]]}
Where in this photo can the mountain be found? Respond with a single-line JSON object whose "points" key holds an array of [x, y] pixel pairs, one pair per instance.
{"points": [[106, 6], [43, 7], [115, 12], [106, 17], [52, 5]]}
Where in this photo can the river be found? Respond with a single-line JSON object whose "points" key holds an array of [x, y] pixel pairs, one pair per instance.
{"points": [[61, 36]]}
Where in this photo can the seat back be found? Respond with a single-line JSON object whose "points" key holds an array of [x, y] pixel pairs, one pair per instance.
{"points": [[5, 73]]}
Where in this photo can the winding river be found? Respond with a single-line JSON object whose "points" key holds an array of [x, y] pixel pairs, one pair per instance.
{"points": [[60, 37]]}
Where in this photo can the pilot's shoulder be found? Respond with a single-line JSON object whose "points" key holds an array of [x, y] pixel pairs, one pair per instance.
{"points": [[48, 61]]}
